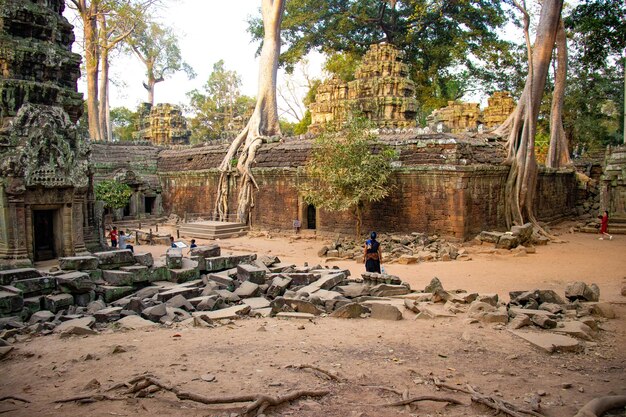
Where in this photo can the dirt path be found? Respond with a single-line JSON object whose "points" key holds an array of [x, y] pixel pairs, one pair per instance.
{"points": [[250, 355]]}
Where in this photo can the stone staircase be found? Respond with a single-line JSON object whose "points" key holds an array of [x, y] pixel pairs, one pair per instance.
{"points": [[617, 226], [212, 229]]}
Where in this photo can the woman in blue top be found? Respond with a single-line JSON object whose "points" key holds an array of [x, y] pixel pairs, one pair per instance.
{"points": [[372, 256]]}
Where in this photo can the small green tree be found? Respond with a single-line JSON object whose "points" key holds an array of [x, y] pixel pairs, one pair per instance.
{"points": [[114, 194], [348, 169]]}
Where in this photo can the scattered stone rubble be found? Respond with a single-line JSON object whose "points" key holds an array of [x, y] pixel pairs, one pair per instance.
{"points": [[403, 249], [126, 291], [523, 237]]}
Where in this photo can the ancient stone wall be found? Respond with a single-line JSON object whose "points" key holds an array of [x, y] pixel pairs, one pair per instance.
{"points": [[163, 125], [499, 106], [382, 91], [442, 184]]}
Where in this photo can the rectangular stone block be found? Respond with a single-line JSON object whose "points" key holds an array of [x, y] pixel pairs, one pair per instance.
{"points": [[247, 289], [302, 278], [94, 274], [174, 258], [206, 251], [36, 286], [83, 300], [10, 275], [159, 272], [278, 286], [140, 273], [78, 263], [144, 259], [11, 300], [57, 302], [111, 293], [326, 282], [107, 314], [222, 263], [184, 274], [32, 304], [185, 292], [118, 278], [201, 262], [75, 282], [251, 273], [223, 280], [115, 258]]}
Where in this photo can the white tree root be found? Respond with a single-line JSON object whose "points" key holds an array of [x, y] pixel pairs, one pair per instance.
{"points": [[600, 405]]}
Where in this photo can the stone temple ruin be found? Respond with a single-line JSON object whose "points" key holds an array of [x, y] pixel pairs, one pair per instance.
{"points": [[462, 117], [44, 187], [381, 90], [163, 124]]}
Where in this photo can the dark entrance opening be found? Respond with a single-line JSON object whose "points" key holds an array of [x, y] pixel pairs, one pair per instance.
{"points": [[43, 228], [126, 210], [310, 217], [149, 204]]}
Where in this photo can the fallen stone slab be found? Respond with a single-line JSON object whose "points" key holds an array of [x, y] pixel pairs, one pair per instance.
{"points": [[256, 303], [141, 273], [385, 312], [115, 258], [280, 267], [278, 286], [221, 263], [188, 271], [206, 251], [293, 315], [300, 306], [387, 290], [118, 278], [350, 311], [57, 302], [519, 321], [178, 301], [5, 350], [84, 322], [326, 295], [223, 279], [10, 275], [252, 273], [32, 304], [78, 263], [432, 311], [513, 311], [75, 282], [134, 323], [36, 286], [111, 293], [159, 271], [580, 291], [353, 290], [247, 289], [10, 301], [108, 314], [489, 237], [42, 316], [234, 312], [174, 258], [507, 241], [491, 299], [228, 296], [144, 259], [549, 342], [183, 291], [96, 305], [155, 313], [605, 310], [575, 329], [302, 278]]}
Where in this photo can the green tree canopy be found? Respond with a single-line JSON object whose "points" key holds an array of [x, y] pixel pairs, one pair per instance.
{"points": [[114, 194], [348, 169], [123, 123], [218, 105]]}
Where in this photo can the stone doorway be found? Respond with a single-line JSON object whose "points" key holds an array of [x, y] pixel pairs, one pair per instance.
{"points": [[44, 226], [311, 217], [149, 203]]}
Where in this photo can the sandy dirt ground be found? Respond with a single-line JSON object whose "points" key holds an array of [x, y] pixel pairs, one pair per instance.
{"points": [[250, 356]]}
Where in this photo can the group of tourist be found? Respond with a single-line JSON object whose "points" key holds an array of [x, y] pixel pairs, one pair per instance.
{"points": [[120, 238]]}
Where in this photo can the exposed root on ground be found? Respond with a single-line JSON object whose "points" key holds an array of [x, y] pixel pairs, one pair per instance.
{"points": [[424, 398], [15, 398], [600, 405], [325, 374], [143, 385]]}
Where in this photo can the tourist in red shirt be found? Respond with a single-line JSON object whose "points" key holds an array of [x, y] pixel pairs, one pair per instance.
{"points": [[604, 226], [113, 237]]}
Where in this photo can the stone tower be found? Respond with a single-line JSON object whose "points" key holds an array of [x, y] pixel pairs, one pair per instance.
{"points": [[382, 91], [499, 106], [163, 124], [44, 169]]}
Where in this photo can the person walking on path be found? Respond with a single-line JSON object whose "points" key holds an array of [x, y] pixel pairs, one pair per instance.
{"points": [[372, 255], [604, 226]]}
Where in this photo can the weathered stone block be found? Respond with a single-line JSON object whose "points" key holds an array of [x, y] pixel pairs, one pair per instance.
{"points": [[489, 237], [57, 302], [221, 263], [10, 275], [118, 278], [302, 278], [256, 303], [185, 292], [206, 251], [278, 286], [174, 258], [581, 291], [350, 311], [251, 273], [226, 313], [11, 300], [188, 272], [386, 290], [83, 300], [247, 289], [301, 306], [523, 233], [108, 314], [144, 259], [32, 304], [222, 279], [507, 241], [75, 282], [159, 272], [78, 263], [36, 286], [115, 258], [111, 293], [141, 273], [385, 312]]}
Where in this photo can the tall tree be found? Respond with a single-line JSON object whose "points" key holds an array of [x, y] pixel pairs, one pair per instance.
{"points": [[558, 151], [437, 36], [263, 123], [218, 105], [157, 48], [88, 12], [521, 126]]}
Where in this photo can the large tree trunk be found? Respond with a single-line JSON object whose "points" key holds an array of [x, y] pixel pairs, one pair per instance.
{"points": [[263, 123], [89, 16], [520, 127], [104, 93], [558, 152]]}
